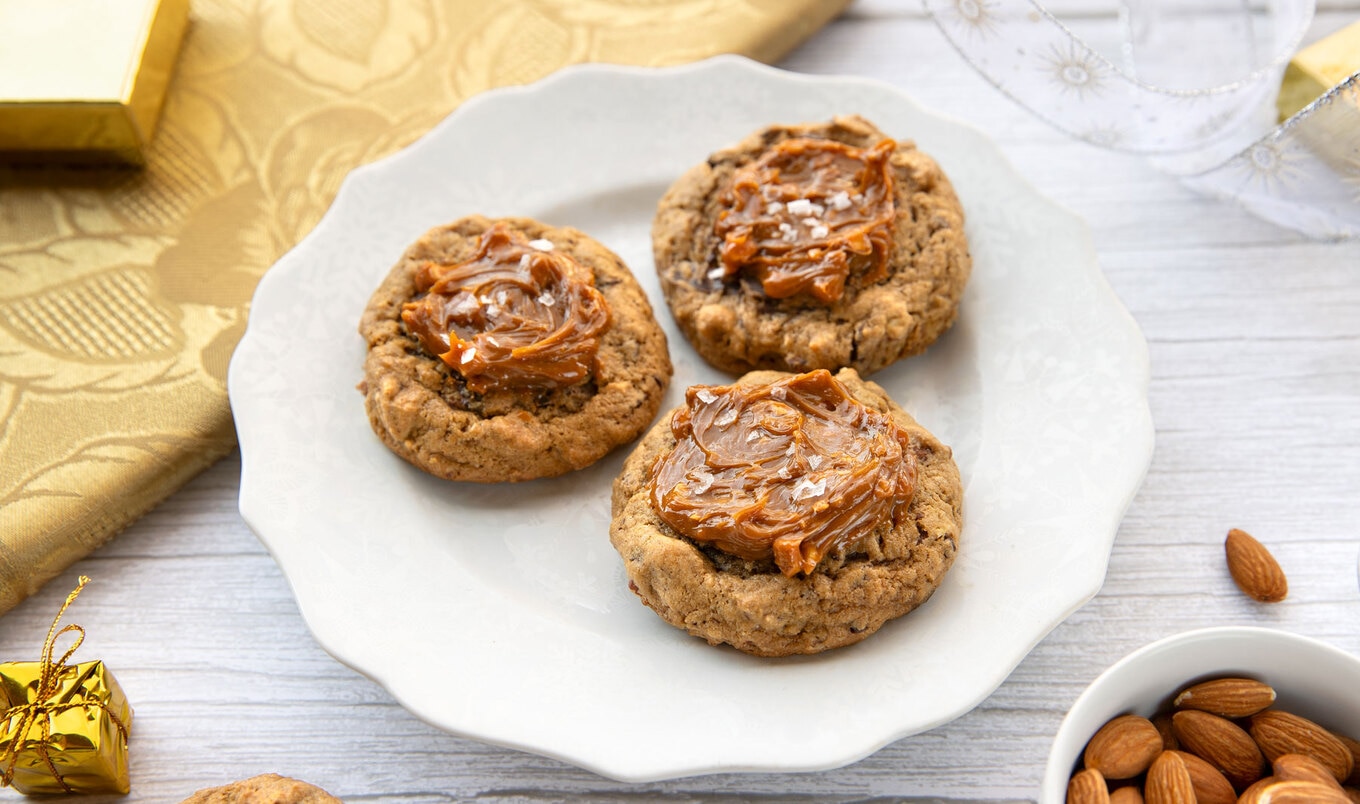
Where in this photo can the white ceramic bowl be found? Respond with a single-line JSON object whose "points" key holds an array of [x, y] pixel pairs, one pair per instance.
{"points": [[1311, 679]]}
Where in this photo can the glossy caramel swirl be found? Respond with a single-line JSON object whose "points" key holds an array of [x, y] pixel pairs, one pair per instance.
{"points": [[806, 215], [517, 314], [796, 469]]}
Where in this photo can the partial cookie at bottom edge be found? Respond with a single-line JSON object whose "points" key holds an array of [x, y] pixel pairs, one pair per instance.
{"points": [[267, 788]]}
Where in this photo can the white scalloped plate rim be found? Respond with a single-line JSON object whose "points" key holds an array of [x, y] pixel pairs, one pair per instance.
{"points": [[518, 631]]}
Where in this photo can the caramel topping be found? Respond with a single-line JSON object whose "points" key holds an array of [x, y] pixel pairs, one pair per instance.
{"points": [[517, 314], [796, 469], [808, 214]]}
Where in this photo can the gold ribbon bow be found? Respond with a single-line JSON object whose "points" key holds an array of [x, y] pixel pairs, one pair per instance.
{"points": [[41, 709]]}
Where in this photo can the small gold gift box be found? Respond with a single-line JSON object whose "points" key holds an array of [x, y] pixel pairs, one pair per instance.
{"points": [[65, 726], [83, 80], [1319, 67]]}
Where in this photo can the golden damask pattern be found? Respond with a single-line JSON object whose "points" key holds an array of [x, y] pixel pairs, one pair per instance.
{"points": [[122, 294]]}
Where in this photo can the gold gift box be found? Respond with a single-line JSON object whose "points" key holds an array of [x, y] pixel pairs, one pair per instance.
{"points": [[1317, 68], [83, 80], [85, 743]]}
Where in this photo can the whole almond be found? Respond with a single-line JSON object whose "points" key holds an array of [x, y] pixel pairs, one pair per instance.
{"points": [[1124, 747], [1254, 569], [1252, 795], [1228, 697], [1129, 794], [1211, 786], [1279, 733], [1296, 792], [1354, 746], [1222, 744], [1302, 768], [1088, 787], [1168, 781]]}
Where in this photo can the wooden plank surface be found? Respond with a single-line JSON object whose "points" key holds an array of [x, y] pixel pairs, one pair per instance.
{"points": [[1254, 335]]}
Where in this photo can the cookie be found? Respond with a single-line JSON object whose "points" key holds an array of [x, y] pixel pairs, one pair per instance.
{"points": [[786, 514], [268, 788], [812, 246], [507, 350]]}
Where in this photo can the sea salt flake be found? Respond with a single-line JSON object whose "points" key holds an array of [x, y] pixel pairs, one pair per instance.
{"points": [[805, 489], [444, 336], [703, 480], [779, 392], [715, 274], [815, 461], [706, 396], [469, 355], [773, 208], [840, 201], [524, 262], [541, 245], [800, 207], [819, 231], [726, 417], [752, 436], [546, 299], [811, 223], [465, 304]]}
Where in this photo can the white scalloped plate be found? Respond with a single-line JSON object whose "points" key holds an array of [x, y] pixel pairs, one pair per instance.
{"points": [[502, 613]]}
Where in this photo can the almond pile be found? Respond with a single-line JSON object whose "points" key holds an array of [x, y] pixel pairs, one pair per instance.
{"points": [[1221, 744]]}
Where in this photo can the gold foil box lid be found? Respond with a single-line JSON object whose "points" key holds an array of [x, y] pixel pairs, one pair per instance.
{"points": [[1319, 67], [83, 80]]}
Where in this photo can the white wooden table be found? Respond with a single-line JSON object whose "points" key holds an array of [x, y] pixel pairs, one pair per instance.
{"points": [[1255, 344]]}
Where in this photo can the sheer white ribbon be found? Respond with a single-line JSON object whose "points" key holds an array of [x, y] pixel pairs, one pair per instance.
{"points": [[1220, 136]]}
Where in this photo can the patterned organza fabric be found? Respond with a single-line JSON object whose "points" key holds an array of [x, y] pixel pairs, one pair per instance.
{"points": [[1189, 84]]}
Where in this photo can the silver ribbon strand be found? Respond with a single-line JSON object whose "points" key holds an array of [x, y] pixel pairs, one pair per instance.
{"points": [[1219, 137]]}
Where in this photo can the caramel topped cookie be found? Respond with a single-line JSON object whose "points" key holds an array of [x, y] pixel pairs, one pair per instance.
{"points": [[516, 314], [786, 513], [812, 246], [791, 470], [507, 349], [806, 215]]}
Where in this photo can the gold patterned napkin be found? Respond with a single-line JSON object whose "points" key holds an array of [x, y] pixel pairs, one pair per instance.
{"points": [[123, 293]]}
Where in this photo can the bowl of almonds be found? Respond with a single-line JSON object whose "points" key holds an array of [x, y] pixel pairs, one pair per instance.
{"points": [[1214, 716]]}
